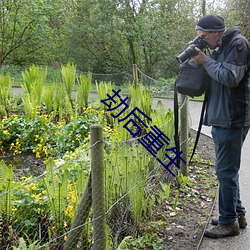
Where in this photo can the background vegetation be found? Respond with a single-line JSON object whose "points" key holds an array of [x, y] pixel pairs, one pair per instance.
{"points": [[103, 36]]}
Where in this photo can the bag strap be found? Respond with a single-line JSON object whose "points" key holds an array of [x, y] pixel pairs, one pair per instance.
{"points": [[199, 127], [176, 124]]}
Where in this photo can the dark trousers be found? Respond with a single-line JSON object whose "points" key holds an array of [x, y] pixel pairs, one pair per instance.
{"points": [[228, 145]]}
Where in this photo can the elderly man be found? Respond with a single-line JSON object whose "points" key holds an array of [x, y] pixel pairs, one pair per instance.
{"points": [[228, 112]]}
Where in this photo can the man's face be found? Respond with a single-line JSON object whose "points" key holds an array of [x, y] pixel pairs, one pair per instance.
{"points": [[211, 38]]}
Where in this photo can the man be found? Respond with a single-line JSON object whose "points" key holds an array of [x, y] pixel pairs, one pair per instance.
{"points": [[228, 112]]}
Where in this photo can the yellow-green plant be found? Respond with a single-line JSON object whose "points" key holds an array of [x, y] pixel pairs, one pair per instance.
{"points": [[62, 106], [48, 97], [68, 74], [165, 191], [56, 184], [33, 85], [83, 90], [5, 90], [141, 98], [104, 88], [6, 184], [183, 180], [64, 189], [164, 120], [126, 172]]}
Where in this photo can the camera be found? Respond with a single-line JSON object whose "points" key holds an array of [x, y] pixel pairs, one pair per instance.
{"points": [[190, 51]]}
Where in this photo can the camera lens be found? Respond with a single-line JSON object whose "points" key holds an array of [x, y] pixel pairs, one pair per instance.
{"points": [[187, 53]]}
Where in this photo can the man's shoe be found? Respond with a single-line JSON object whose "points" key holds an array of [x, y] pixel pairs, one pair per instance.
{"points": [[241, 219], [221, 231]]}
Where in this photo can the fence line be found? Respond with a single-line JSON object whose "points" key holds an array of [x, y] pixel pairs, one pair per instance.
{"points": [[79, 226]]}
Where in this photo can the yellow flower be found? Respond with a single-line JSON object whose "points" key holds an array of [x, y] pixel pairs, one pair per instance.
{"points": [[6, 132], [38, 156], [14, 209], [37, 196], [73, 199], [69, 211], [31, 187]]}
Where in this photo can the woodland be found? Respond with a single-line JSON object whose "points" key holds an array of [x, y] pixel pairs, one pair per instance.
{"points": [[107, 36]]}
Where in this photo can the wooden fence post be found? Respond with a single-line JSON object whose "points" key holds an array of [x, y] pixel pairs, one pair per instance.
{"points": [[135, 74], [98, 195]]}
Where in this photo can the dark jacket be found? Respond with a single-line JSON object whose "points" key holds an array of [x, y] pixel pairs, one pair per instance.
{"points": [[228, 103]]}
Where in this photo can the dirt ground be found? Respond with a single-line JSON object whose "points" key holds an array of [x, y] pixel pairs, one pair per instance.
{"points": [[187, 223]]}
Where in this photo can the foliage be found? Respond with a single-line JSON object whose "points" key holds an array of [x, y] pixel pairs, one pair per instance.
{"points": [[68, 74], [147, 241], [141, 98], [34, 81], [106, 36], [22, 23], [51, 200], [5, 90], [83, 91], [42, 137], [6, 184]]}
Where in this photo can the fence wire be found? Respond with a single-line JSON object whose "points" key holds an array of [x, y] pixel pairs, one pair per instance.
{"points": [[48, 230], [39, 213]]}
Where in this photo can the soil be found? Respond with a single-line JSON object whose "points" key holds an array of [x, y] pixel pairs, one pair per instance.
{"points": [[187, 222], [25, 164]]}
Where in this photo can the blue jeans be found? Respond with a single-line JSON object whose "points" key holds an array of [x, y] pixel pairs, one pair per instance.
{"points": [[228, 145]]}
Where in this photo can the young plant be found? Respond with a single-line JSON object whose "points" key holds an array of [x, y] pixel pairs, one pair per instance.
{"points": [[165, 190], [6, 184], [68, 74], [5, 90], [141, 98], [83, 91], [33, 85]]}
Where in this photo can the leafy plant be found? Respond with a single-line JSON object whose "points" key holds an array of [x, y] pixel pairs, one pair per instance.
{"points": [[5, 90], [147, 241], [68, 74], [34, 81], [83, 91], [165, 190], [6, 184], [22, 245], [48, 98], [176, 199], [141, 98]]}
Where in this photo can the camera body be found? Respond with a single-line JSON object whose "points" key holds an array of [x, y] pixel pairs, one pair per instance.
{"points": [[190, 51]]}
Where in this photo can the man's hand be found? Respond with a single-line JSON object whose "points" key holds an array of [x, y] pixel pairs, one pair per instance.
{"points": [[200, 58]]}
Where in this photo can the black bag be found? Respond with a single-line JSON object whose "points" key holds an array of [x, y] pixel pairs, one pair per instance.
{"points": [[192, 80]]}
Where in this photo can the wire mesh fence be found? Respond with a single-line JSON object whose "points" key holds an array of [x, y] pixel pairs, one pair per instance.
{"points": [[55, 210], [60, 208]]}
